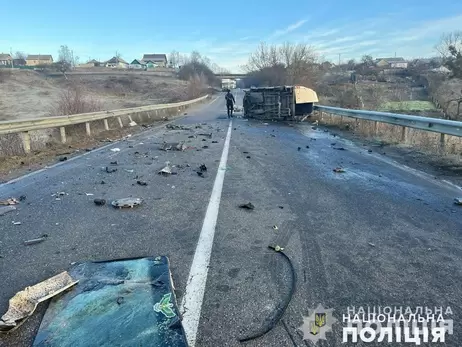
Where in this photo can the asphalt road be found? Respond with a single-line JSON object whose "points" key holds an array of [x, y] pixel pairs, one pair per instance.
{"points": [[377, 234]]}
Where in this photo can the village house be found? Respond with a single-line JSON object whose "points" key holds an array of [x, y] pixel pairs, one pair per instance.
{"points": [[39, 59], [5, 59], [154, 60], [118, 63], [392, 63]]}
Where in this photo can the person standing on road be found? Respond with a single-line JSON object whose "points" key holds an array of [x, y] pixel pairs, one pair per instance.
{"points": [[230, 101]]}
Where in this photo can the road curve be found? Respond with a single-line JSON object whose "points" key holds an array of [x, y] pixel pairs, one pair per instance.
{"points": [[377, 234]]}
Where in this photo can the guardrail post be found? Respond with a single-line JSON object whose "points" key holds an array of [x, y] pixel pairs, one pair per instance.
{"points": [[26, 142], [130, 118], [442, 142], [376, 127], [106, 125], [62, 132], [87, 128], [403, 134], [120, 122]]}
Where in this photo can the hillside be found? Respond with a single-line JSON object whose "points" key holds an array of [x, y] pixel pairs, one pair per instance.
{"points": [[29, 94]]}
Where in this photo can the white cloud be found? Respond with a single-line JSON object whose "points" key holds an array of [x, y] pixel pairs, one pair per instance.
{"points": [[289, 29]]}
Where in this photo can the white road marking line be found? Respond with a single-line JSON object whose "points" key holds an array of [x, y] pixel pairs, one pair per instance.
{"points": [[191, 304]]}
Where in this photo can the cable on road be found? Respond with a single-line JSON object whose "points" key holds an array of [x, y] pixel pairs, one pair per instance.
{"points": [[280, 308]]}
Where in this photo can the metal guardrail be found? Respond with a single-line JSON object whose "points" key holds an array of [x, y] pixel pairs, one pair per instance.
{"points": [[437, 125], [24, 126]]}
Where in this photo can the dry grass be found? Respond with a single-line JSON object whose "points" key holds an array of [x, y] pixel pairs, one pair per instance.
{"points": [[424, 141], [5, 75], [74, 100]]}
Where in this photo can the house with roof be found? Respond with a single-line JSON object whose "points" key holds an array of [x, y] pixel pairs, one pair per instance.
{"points": [[39, 59], [137, 65], [116, 62], [5, 59], [391, 63], [91, 63], [154, 60]]}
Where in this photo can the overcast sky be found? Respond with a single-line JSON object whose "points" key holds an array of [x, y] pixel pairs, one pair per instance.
{"points": [[227, 31]]}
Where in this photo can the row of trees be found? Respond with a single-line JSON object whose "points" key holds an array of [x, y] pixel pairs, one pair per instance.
{"points": [[301, 64], [287, 64]]}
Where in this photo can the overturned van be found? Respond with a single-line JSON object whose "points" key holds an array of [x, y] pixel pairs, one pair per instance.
{"points": [[279, 103]]}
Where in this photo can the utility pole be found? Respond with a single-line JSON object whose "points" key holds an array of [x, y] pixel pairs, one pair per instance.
{"points": [[12, 59], [339, 58]]}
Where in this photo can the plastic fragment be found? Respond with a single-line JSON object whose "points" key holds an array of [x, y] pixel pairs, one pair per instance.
{"points": [[127, 202], [37, 240], [115, 149]]}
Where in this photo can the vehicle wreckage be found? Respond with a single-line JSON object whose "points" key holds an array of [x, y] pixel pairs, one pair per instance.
{"points": [[279, 103]]}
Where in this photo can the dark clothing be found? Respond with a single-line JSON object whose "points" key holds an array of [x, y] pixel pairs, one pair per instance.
{"points": [[230, 101], [230, 98]]}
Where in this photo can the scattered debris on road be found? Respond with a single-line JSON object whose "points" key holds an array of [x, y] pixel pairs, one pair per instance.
{"points": [[177, 146], [177, 127], [35, 241], [99, 202], [16, 223], [114, 162], [299, 148], [115, 149], [248, 157], [339, 170], [371, 244], [10, 201], [5, 209], [110, 169], [307, 146], [275, 227], [166, 170], [209, 135], [129, 170], [281, 207], [62, 158], [141, 183], [205, 147], [89, 194], [200, 173], [458, 201], [22, 198], [247, 206], [203, 168], [339, 148], [102, 182], [127, 202], [23, 304], [214, 141]]}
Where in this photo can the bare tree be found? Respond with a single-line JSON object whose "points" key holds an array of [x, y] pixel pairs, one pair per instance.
{"points": [[283, 64], [351, 64], [450, 49], [66, 60], [367, 60], [118, 55], [174, 59], [20, 55]]}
